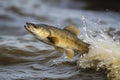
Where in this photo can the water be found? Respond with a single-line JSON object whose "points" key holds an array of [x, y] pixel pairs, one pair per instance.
{"points": [[24, 57], [104, 54]]}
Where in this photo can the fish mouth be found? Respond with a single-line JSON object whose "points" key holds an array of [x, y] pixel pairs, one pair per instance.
{"points": [[30, 27]]}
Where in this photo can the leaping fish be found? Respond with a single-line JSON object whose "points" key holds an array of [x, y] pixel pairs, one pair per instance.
{"points": [[63, 40]]}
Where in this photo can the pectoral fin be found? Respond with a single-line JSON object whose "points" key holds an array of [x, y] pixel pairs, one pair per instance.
{"points": [[54, 40], [70, 53], [73, 29]]}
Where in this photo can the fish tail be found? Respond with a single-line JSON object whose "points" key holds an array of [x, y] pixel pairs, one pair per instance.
{"points": [[83, 47]]}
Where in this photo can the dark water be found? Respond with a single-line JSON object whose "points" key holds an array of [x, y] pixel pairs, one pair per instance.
{"points": [[22, 57]]}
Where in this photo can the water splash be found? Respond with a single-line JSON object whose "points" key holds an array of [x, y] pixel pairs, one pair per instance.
{"points": [[104, 53]]}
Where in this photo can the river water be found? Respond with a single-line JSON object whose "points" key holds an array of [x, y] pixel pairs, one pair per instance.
{"points": [[22, 57]]}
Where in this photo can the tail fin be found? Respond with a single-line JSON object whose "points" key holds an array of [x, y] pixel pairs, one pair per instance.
{"points": [[83, 47]]}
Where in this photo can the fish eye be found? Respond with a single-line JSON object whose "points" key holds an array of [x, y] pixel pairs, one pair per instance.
{"points": [[35, 27]]}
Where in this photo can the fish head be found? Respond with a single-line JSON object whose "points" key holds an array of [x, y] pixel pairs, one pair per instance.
{"points": [[37, 30], [33, 28]]}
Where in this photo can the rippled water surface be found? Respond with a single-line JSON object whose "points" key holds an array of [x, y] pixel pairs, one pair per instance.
{"points": [[22, 57]]}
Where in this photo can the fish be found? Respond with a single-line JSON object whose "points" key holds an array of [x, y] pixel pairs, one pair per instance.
{"points": [[63, 40]]}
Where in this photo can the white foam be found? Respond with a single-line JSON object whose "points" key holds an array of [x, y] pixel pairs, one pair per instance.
{"points": [[104, 53]]}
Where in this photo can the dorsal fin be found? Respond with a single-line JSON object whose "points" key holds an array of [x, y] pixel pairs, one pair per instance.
{"points": [[73, 29]]}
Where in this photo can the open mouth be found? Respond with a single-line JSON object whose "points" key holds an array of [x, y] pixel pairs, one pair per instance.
{"points": [[30, 27]]}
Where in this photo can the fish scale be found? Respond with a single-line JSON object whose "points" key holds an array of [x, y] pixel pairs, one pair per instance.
{"points": [[64, 40]]}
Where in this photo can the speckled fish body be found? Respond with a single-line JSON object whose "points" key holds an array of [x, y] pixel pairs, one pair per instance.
{"points": [[61, 39]]}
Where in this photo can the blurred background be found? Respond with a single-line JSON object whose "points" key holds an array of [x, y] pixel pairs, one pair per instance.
{"points": [[22, 57], [103, 5], [14, 13]]}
